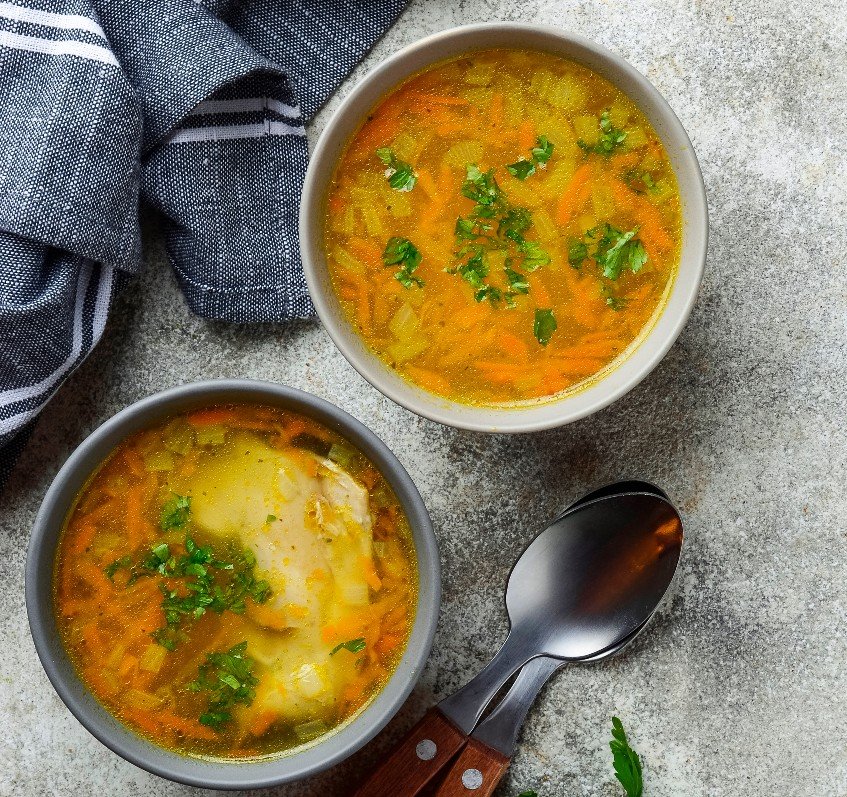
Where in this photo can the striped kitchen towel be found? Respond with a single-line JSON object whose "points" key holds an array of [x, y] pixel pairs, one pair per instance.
{"points": [[194, 106]]}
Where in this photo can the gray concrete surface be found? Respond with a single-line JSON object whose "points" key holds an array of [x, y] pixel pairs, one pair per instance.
{"points": [[739, 689]]}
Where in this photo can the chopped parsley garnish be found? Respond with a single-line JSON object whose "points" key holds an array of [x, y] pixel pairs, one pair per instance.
{"points": [[270, 518], [533, 256], [545, 325], [614, 251], [528, 793], [615, 302], [543, 150], [402, 252], [577, 253], [194, 583], [539, 155], [494, 224], [204, 587], [517, 281], [175, 512], [482, 188], [521, 169], [610, 137], [353, 645], [617, 251], [640, 182], [401, 176], [110, 570], [626, 761], [228, 679]]}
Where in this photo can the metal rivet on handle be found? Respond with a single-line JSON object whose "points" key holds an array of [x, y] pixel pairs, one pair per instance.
{"points": [[426, 750], [472, 779]]}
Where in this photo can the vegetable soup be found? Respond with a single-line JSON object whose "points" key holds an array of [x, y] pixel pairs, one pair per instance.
{"points": [[503, 227], [235, 582]]}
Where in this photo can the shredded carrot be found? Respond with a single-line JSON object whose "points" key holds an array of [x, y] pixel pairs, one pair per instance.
{"points": [[429, 379], [513, 346], [427, 182], [574, 195], [527, 134], [372, 579]]}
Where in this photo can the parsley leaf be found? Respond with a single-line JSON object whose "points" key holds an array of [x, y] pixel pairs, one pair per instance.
{"points": [[110, 570], [521, 169], [534, 256], [610, 137], [401, 176], [615, 302], [229, 680], [353, 645], [640, 182], [480, 186], [494, 224], [514, 223], [577, 252], [270, 518], [494, 295], [528, 793], [517, 281], [544, 327], [543, 150], [626, 761], [539, 155], [617, 251], [402, 252], [201, 585], [175, 512]]}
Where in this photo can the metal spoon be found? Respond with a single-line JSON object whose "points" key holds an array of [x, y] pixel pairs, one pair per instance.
{"points": [[581, 590], [585, 584]]}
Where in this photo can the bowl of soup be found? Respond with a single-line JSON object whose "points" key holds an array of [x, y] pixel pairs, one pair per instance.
{"points": [[233, 584], [504, 227]]}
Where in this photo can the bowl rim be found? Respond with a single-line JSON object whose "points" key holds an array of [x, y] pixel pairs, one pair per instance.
{"points": [[656, 341], [209, 773]]}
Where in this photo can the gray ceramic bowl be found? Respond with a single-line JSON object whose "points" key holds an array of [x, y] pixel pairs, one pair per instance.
{"points": [[197, 772], [651, 348]]}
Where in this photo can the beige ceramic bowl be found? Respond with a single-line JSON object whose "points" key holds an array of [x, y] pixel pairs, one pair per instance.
{"points": [[632, 366]]}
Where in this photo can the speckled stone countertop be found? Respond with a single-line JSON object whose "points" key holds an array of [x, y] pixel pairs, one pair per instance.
{"points": [[738, 690]]}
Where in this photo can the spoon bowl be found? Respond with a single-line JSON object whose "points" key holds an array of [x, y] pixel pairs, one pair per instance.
{"points": [[582, 587]]}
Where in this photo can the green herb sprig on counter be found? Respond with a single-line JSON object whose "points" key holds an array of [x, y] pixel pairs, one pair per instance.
{"points": [[538, 156], [610, 138], [229, 680], [626, 762], [402, 252], [353, 645], [400, 175]]}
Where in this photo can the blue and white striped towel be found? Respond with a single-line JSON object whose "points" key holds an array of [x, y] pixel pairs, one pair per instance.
{"points": [[194, 106]]}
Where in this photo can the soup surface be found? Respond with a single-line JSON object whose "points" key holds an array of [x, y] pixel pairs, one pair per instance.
{"points": [[503, 226], [235, 582]]}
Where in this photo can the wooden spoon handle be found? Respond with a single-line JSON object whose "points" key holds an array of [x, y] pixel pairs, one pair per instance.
{"points": [[476, 773], [417, 759]]}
